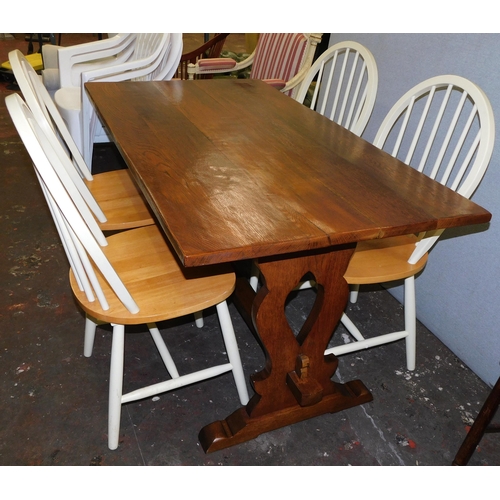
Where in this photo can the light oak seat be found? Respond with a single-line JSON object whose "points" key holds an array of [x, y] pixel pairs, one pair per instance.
{"points": [[129, 278], [384, 260], [120, 200], [151, 273]]}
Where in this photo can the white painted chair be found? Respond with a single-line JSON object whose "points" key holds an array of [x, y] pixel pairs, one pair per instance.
{"points": [[149, 287], [346, 82], [280, 59], [63, 66], [345, 88], [112, 196], [445, 128], [155, 57]]}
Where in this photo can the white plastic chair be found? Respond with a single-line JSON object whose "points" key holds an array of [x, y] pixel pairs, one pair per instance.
{"points": [[151, 285], [280, 59], [63, 66], [346, 81], [155, 57], [445, 128], [112, 196]]}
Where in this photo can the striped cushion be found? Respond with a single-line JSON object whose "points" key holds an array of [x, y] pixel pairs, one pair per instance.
{"points": [[278, 56], [216, 63]]}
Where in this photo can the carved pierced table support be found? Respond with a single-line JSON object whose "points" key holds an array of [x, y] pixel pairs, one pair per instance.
{"points": [[295, 383]]}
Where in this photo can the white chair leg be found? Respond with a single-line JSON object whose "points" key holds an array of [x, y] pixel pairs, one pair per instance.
{"points": [[351, 327], [115, 385], [254, 278], [198, 319], [353, 295], [163, 350], [88, 343], [410, 322], [232, 351], [306, 284]]}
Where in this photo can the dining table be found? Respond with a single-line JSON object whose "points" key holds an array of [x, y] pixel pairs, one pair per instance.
{"points": [[236, 171]]}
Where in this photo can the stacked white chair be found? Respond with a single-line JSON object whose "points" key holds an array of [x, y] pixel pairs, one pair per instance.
{"points": [[155, 57], [63, 66]]}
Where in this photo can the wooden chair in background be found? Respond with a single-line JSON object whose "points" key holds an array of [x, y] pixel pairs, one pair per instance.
{"points": [[481, 425], [280, 59], [211, 49]]}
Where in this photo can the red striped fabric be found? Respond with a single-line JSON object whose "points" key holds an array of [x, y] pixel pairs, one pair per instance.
{"points": [[218, 63], [278, 56]]}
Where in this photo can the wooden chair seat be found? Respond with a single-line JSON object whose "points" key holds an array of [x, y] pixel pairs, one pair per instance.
{"points": [[152, 275], [384, 260], [121, 201], [129, 278]]}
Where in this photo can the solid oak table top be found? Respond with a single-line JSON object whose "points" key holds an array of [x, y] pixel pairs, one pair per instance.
{"points": [[233, 169]]}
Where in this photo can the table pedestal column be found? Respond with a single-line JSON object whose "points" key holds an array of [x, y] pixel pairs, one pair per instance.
{"points": [[295, 383]]}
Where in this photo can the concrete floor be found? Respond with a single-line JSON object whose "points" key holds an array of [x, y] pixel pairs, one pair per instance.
{"points": [[54, 400]]}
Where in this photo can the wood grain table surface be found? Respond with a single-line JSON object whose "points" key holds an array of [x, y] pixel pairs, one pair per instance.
{"points": [[235, 170]]}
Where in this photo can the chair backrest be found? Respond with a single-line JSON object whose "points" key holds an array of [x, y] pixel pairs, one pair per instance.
{"points": [[80, 236], [73, 60], [146, 58], [345, 88], [49, 119], [152, 59], [156, 52], [280, 56], [170, 63], [445, 128]]}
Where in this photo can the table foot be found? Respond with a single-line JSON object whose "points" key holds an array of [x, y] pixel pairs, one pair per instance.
{"points": [[239, 427], [295, 383]]}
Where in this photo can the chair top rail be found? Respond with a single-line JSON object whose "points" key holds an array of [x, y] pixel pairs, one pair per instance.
{"points": [[85, 242]]}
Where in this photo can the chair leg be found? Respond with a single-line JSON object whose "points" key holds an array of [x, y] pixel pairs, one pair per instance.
{"points": [[115, 385], [351, 327], [198, 319], [163, 350], [479, 427], [254, 278], [88, 343], [232, 351], [353, 295], [410, 322]]}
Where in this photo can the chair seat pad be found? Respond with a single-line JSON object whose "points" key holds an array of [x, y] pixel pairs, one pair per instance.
{"points": [[161, 287], [216, 64], [120, 200], [383, 260]]}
